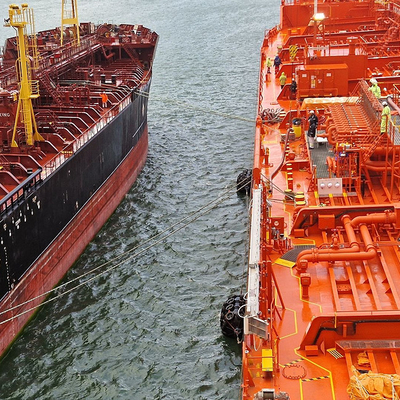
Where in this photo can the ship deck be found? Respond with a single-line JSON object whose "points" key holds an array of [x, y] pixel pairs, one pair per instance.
{"points": [[329, 276], [68, 106], [73, 139]]}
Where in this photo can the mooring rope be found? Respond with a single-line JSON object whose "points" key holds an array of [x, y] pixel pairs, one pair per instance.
{"points": [[172, 229]]}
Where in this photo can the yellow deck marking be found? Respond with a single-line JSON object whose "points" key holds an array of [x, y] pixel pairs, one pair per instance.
{"points": [[268, 141], [307, 241], [292, 362], [301, 390], [295, 324], [329, 376], [285, 263], [305, 301], [315, 379]]}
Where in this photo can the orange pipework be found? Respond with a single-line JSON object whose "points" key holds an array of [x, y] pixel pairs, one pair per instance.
{"points": [[331, 164], [377, 218], [353, 252]]}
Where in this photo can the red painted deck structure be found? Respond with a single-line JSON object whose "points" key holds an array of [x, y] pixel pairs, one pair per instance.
{"points": [[323, 293], [74, 137]]}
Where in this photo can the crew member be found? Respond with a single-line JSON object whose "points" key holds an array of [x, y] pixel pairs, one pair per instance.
{"points": [[293, 88], [312, 128], [385, 118], [277, 63], [374, 88], [104, 99], [269, 65], [282, 80]]}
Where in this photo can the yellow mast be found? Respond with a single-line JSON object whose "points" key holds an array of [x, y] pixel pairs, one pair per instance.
{"points": [[21, 18], [70, 17]]}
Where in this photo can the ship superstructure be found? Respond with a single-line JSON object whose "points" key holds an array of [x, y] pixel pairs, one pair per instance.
{"points": [[74, 136], [322, 313]]}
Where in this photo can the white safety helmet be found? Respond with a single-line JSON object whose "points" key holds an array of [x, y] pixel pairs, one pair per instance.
{"points": [[311, 111], [384, 103], [373, 81]]}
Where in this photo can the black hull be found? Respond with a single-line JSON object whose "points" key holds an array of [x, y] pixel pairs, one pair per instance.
{"points": [[32, 223]]}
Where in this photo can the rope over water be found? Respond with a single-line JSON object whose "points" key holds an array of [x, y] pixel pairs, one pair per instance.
{"points": [[125, 256]]}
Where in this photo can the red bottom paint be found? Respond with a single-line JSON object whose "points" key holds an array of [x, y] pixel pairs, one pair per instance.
{"points": [[53, 264]]}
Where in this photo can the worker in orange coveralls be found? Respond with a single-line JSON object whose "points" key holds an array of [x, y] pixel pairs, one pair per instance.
{"points": [[104, 99]]}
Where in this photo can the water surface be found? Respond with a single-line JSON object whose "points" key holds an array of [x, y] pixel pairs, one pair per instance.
{"points": [[149, 329]]}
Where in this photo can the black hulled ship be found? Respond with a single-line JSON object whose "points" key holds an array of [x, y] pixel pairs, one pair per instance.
{"points": [[74, 137]]}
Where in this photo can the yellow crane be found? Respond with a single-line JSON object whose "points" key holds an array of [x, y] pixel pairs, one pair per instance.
{"points": [[70, 17], [21, 18]]}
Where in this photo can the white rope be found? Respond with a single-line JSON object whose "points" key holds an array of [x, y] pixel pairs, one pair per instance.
{"points": [[189, 219]]}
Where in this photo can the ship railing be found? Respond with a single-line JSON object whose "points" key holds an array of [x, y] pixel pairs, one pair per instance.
{"points": [[145, 36], [66, 52], [53, 164], [396, 95], [124, 104], [84, 138], [88, 134], [329, 49], [8, 77], [57, 55], [20, 191]]}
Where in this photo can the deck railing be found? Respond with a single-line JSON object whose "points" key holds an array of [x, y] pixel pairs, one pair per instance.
{"points": [[15, 195], [80, 141], [13, 198]]}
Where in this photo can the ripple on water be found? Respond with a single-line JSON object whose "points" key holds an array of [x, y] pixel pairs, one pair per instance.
{"points": [[149, 329]]}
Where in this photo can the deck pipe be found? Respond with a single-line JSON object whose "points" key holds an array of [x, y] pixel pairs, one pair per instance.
{"points": [[330, 128], [353, 252]]}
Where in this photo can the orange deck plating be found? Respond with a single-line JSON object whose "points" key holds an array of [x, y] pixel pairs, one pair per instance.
{"points": [[323, 297]]}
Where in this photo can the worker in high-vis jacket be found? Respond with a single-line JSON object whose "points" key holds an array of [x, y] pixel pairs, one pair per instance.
{"points": [[374, 88], [269, 65], [385, 119], [282, 79]]}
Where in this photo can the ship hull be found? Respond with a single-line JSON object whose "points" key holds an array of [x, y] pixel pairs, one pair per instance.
{"points": [[59, 218], [322, 314]]}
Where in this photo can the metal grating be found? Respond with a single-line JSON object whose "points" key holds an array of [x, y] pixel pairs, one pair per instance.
{"points": [[334, 353], [318, 157], [368, 344], [291, 255], [396, 122]]}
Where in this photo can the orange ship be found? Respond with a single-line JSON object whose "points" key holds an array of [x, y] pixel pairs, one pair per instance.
{"points": [[322, 308]]}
